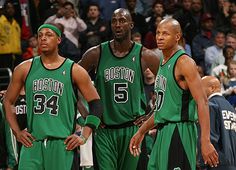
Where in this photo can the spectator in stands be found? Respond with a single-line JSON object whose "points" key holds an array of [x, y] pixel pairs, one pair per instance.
{"points": [[231, 41], [76, 5], [97, 29], [220, 71], [140, 24], [204, 39], [230, 84], [144, 7], [27, 17], [72, 23], [136, 37], [184, 10], [32, 50], [66, 48], [10, 37], [171, 6], [190, 21], [108, 7], [158, 10], [59, 14], [222, 15], [150, 38], [214, 54], [212, 6], [232, 27], [185, 45], [232, 7], [83, 7], [47, 8]]}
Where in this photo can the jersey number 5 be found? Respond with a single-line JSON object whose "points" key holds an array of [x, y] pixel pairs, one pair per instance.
{"points": [[120, 92], [43, 103]]}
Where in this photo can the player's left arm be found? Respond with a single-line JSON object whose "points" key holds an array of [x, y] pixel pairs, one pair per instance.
{"points": [[88, 91], [187, 69]]}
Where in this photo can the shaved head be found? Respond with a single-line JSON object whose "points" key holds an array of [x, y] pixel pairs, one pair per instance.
{"points": [[168, 35], [123, 12], [211, 84], [173, 23]]}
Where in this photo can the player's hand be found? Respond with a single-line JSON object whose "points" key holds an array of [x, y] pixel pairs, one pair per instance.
{"points": [[152, 132], [25, 138], [209, 154], [135, 144], [2, 93], [73, 141]]}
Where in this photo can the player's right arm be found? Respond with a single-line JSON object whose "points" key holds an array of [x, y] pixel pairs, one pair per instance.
{"points": [[136, 140], [13, 90]]}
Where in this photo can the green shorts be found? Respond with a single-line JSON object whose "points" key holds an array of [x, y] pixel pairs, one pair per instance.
{"points": [[46, 155], [112, 149], [175, 147]]}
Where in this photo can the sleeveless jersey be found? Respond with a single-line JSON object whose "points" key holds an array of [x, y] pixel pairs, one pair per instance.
{"points": [[21, 111], [173, 103], [51, 100], [119, 82], [3, 145]]}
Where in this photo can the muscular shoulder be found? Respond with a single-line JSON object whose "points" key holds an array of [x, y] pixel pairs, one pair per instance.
{"points": [[148, 53], [150, 59], [185, 71], [90, 58], [78, 73], [185, 63], [23, 68]]}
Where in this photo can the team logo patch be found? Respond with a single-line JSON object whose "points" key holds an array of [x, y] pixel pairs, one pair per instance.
{"points": [[133, 58], [177, 168]]}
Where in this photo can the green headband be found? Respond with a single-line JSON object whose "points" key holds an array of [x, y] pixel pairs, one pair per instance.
{"points": [[52, 27]]}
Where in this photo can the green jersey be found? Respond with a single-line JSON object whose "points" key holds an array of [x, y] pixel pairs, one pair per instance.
{"points": [[8, 145], [119, 82], [51, 100], [173, 103]]}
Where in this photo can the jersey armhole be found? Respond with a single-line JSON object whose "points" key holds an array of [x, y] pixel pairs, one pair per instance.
{"points": [[140, 62], [29, 71], [174, 71], [99, 59]]}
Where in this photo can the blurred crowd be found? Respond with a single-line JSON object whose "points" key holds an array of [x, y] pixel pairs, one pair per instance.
{"points": [[209, 29]]}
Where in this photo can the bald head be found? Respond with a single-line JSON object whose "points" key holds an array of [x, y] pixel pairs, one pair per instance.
{"points": [[123, 12], [172, 23], [211, 85]]}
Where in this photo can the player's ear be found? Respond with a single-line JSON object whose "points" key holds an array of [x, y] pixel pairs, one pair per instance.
{"points": [[132, 25], [178, 36], [58, 40]]}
